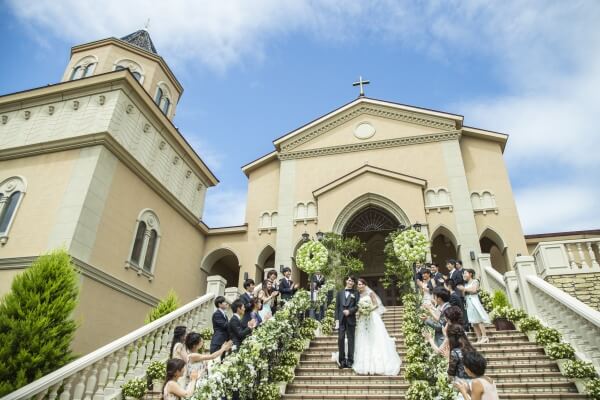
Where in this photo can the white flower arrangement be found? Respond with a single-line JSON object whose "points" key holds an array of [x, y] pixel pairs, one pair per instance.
{"points": [[365, 309], [312, 257], [411, 246]]}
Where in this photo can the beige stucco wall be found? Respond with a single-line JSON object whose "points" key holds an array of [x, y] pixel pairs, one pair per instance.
{"points": [[47, 177], [486, 170], [181, 244]]}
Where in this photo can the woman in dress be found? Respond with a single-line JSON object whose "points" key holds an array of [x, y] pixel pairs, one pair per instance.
{"points": [[172, 390], [178, 343], [459, 345], [482, 387], [196, 361], [267, 295], [255, 307], [375, 351], [426, 287], [475, 312]]}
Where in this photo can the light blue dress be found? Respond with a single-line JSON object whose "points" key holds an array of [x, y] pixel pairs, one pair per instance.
{"points": [[475, 310]]}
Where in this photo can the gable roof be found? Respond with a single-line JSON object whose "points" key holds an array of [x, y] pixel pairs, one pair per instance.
{"points": [[141, 39]]}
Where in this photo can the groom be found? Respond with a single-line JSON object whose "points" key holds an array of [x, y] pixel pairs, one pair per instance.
{"points": [[345, 315]]}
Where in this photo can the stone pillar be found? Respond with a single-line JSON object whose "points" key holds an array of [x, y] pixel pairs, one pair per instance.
{"points": [[425, 231], [231, 294], [216, 285], [484, 260], [525, 266], [512, 289], [285, 217]]}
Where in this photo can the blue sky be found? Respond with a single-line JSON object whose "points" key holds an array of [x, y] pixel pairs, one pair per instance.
{"points": [[254, 70]]}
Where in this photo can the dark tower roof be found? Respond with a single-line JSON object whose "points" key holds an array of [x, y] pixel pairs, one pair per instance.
{"points": [[141, 39]]}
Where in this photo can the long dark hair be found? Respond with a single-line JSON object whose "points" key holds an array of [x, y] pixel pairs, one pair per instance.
{"points": [[178, 337], [265, 286], [457, 339], [192, 339], [173, 365]]}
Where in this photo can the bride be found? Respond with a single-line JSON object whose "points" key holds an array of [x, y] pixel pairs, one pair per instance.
{"points": [[375, 351]]}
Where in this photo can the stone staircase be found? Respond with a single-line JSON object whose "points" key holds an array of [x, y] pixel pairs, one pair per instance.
{"points": [[521, 370]]}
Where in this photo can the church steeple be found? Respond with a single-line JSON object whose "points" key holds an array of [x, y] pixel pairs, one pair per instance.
{"points": [[141, 39]]}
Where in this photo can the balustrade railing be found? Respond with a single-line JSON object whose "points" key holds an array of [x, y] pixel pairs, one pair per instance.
{"points": [[567, 257], [100, 374], [494, 279]]}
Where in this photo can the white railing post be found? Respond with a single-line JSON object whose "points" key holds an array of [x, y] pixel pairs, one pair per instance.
{"points": [[484, 261], [231, 294], [512, 289], [525, 266]]}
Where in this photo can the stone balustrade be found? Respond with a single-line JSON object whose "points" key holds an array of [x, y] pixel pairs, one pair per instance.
{"points": [[565, 257], [100, 374], [491, 279]]}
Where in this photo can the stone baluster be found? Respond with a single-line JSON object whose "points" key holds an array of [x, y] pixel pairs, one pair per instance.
{"points": [[572, 262], [584, 264], [113, 372], [123, 362], [92, 379], [133, 353], [103, 378], [595, 264], [150, 348], [167, 334], [66, 393], [41, 394], [141, 357], [80, 386], [53, 392]]}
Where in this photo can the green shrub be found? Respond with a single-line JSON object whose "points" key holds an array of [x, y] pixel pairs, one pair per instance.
{"points": [[592, 387], [499, 299], [296, 345], [157, 370], [288, 359], [164, 307], [134, 388], [486, 300], [516, 315], [546, 336], [206, 334], [282, 374], [419, 390], [576, 369], [416, 371], [36, 325], [268, 391], [560, 351], [529, 324]]}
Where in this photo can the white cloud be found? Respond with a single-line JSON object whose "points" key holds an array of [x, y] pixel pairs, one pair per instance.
{"points": [[225, 207], [213, 158]]}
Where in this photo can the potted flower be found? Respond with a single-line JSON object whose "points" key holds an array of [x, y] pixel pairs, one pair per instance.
{"points": [[499, 317], [561, 353], [579, 372], [546, 336], [592, 388], [486, 300], [156, 373], [206, 334], [268, 391], [134, 389], [419, 390], [529, 325], [515, 315], [282, 375]]}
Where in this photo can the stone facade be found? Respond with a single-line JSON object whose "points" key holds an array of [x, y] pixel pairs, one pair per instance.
{"points": [[585, 287]]}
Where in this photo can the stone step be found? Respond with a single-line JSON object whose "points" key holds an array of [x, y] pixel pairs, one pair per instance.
{"points": [[501, 342], [505, 396]]}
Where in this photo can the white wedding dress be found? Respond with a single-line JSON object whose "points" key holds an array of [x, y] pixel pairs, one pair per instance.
{"points": [[374, 350]]}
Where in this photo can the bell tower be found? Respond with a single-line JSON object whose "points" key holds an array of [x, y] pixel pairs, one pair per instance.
{"points": [[135, 52]]}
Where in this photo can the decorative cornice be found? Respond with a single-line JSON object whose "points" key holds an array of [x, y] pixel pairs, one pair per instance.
{"points": [[88, 271], [380, 144], [374, 110]]}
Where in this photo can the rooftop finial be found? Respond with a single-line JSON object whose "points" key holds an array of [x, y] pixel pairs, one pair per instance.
{"points": [[147, 24], [361, 83]]}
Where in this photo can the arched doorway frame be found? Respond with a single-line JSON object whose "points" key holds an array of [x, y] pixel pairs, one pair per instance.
{"points": [[363, 201], [492, 235], [263, 256], [446, 232], [209, 261]]}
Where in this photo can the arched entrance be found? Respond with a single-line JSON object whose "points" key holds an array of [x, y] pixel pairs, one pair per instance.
{"points": [[443, 247], [225, 263], [265, 262], [491, 243], [371, 225]]}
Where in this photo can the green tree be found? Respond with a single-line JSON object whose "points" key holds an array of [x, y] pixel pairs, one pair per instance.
{"points": [[164, 307], [397, 273], [344, 257], [36, 325]]}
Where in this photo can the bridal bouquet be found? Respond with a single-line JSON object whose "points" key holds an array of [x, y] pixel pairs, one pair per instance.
{"points": [[365, 309]]}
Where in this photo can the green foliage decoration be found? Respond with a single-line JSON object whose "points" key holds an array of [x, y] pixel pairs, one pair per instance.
{"points": [[528, 324], [156, 370], [499, 299], [397, 273], [268, 391], [546, 336], [135, 388], [577, 369], [206, 334], [592, 388], [36, 325], [343, 257], [486, 300], [164, 307], [420, 390], [560, 351]]}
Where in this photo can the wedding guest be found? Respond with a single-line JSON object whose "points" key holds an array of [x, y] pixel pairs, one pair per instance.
{"points": [[219, 323], [194, 342], [459, 345], [436, 276], [437, 318], [267, 296], [482, 387], [253, 312], [177, 343], [272, 276], [475, 311], [237, 333], [318, 281], [287, 287], [426, 287], [419, 268], [171, 389], [453, 315], [456, 298], [249, 294]]}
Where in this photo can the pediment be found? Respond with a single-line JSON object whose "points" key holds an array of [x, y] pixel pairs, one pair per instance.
{"points": [[368, 169], [367, 122]]}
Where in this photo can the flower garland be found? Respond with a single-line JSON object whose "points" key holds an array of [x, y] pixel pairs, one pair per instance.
{"points": [[312, 257], [411, 246]]}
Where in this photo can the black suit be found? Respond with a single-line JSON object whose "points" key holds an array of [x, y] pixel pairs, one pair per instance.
{"points": [[347, 323], [236, 332], [286, 288], [439, 279], [221, 333], [318, 282], [457, 277], [245, 298]]}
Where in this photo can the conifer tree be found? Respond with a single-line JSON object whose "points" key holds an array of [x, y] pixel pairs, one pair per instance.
{"points": [[164, 307], [36, 325]]}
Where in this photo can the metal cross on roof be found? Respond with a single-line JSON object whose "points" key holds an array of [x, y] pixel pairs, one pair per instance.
{"points": [[361, 83]]}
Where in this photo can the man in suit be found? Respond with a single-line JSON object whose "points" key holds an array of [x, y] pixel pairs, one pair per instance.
{"points": [[249, 286], [219, 323], [438, 320], [272, 276], [436, 276], [345, 315], [287, 287], [457, 274], [318, 280], [237, 333]]}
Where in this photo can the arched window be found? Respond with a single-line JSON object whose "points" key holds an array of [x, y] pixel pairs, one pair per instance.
{"points": [[159, 95], [135, 68], [144, 248], [12, 191], [89, 70], [163, 98], [119, 68], [76, 74], [165, 105], [84, 67], [137, 76]]}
